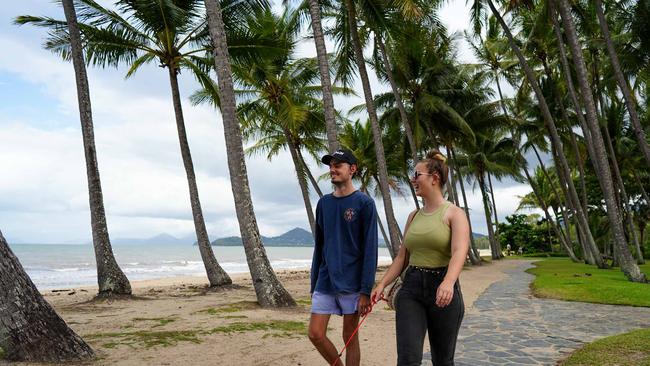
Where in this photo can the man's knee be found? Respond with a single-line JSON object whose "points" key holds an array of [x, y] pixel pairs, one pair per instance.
{"points": [[316, 334]]}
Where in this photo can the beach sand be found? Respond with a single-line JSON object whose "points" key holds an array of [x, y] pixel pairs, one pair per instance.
{"points": [[178, 321]]}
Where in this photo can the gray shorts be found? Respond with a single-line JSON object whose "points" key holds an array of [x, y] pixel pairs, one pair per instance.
{"points": [[339, 304]]}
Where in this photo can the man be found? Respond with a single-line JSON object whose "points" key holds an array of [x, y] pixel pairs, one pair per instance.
{"points": [[345, 258]]}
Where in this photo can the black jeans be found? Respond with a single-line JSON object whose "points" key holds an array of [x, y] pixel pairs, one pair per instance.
{"points": [[417, 313]]}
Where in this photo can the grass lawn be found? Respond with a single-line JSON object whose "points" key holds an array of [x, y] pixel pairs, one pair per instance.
{"points": [[559, 278], [631, 349]]}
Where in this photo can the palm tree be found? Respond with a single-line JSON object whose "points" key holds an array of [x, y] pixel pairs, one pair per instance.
{"points": [[627, 263], [140, 33], [630, 102], [491, 152], [547, 116], [110, 278], [31, 329], [359, 139], [268, 288], [350, 12], [544, 195], [323, 68]]}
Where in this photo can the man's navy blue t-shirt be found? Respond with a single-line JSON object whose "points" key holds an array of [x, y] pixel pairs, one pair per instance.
{"points": [[345, 254]]}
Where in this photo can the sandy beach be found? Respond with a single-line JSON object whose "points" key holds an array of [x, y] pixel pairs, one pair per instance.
{"points": [[178, 321]]}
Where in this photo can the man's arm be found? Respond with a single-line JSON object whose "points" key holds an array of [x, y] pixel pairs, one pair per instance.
{"points": [[317, 259], [369, 248]]}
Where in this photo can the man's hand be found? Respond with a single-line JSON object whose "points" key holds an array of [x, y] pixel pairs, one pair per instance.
{"points": [[364, 304]]}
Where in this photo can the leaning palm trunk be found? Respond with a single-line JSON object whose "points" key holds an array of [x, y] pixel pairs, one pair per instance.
{"points": [[474, 254], [494, 246], [313, 181], [216, 275], [550, 125], [551, 184], [30, 329], [393, 227], [566, 244], [300, 173], [381, 226], [627, 263], [323, 68], [494, 203], [641, 188], [110, 278], [398, 99], [630, 102], [624, 198], [415, 197], [269, 290]]}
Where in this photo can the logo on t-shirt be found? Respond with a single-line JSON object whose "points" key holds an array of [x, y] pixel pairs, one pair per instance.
{"points": [[348, 215]]}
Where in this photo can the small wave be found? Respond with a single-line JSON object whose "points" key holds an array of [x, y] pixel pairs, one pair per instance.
{"points": [[73, 269]]}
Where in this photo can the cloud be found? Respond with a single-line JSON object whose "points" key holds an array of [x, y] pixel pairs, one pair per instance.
{"points": [[43, 196]]}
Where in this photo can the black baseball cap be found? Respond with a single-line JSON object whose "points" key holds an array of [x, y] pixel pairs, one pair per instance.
{"points": [[343, 155]]}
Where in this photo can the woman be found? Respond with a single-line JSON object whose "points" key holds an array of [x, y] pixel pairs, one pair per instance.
{"points": [[435, 247]]}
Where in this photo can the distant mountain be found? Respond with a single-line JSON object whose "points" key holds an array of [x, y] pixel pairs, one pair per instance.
{"points": [[160, 239], [296, 237], [478, 235]]}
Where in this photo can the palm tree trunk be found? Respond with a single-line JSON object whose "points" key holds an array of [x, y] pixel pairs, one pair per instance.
{"points": [[110, 278], [581, 170], [566, 244], [475, 255], [552, 184], [30, 329], [451, 181], [415, 197], [630, 101], [314, 183], [548, 120], [501, 101], [494, 204], [300, 173], [565, 117], [624, 197], [590, 247], [393, 227], [628, 265], [640, 184], [323, 68], [398, 98], [269, 290], [381, 226], [216, 275], [496, 251]]}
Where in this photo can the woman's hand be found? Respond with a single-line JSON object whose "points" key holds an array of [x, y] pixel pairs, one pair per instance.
{"points": [[377, 293], [445, 293]]}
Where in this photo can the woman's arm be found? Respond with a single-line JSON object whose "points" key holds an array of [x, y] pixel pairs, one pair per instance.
{"points": [[396, 268], [459, 247]]}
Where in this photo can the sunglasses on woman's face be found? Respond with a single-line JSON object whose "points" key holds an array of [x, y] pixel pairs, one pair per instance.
{"points": [[416, 174]]}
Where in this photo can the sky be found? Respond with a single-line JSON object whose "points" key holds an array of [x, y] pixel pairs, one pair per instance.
{"points": [[43, 186]]}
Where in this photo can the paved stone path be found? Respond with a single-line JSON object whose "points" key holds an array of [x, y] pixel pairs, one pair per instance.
{"points": [[509, 326]]}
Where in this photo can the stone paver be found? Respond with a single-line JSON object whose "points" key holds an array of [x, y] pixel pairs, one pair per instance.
{"points": [[509, 326]]}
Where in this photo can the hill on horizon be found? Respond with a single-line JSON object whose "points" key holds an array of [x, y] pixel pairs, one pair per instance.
{"points": [[294, 237]]}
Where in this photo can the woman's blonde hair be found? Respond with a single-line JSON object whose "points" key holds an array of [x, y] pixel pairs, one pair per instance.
{"points": [[437, 164]]}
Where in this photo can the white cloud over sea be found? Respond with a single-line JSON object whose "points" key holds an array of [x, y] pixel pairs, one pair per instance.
{"points": [[43, 192]]}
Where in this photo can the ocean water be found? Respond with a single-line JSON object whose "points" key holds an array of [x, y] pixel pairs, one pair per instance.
{"points": [[52, 266]]}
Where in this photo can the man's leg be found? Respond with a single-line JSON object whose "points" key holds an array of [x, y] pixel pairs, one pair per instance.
{"points": [[318, 336], [353, 352]]}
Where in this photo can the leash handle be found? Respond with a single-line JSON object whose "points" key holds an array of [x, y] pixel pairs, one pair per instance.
{"points": [[372, 304]]}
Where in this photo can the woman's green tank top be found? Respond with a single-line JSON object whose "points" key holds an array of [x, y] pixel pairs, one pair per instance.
{"points": [[428, 239]]}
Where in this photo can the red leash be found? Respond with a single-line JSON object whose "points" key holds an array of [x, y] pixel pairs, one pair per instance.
{"points": [[381, 297]]}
